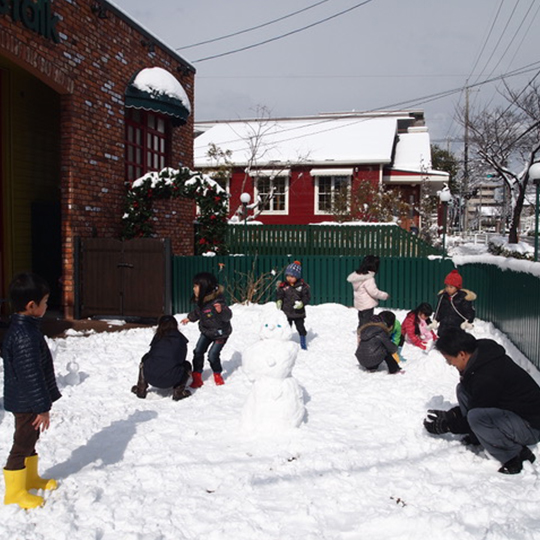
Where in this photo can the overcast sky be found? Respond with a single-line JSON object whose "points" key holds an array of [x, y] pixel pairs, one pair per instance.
{"points": [[383, 54]]}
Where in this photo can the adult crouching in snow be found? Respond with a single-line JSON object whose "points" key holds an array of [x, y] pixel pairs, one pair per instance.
{"points": [[499, 402]]}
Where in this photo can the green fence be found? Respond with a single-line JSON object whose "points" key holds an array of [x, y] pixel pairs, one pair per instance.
{"points": [[333, 240], [509, 299], [408, 280]]}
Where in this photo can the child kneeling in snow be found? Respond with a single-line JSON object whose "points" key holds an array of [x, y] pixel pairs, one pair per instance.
{"points": [[415, 327], [165, 365], [375, 345]]}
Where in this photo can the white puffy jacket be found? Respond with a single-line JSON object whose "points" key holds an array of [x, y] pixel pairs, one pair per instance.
{"points": [[366, 293]]}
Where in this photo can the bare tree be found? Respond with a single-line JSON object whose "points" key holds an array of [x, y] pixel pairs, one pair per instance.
{"points": [[367, 202], [258, 148], [507, 139]]}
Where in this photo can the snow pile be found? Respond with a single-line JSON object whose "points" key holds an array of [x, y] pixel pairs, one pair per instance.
{"points": [[360, 467], [159, 81]]}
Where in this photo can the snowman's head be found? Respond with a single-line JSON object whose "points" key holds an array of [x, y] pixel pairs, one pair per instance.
{"points": [[72, 367], [274, 325]]}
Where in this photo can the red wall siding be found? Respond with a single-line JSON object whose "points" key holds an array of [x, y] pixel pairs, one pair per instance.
{"points": [[301, 196]]}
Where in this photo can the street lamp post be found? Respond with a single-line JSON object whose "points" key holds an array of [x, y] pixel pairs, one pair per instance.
{"points": [[245, 199], [444, 196], [534, 175]]}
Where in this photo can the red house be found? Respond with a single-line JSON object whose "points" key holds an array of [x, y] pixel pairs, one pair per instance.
{"points": [[305, 161]]}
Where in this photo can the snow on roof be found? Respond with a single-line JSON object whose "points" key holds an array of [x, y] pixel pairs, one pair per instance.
{"points": [[413, 151], [156, 80], [313, 140]]}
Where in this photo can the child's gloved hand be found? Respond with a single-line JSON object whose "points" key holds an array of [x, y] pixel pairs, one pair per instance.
{"points": [[298, 305], [466, 325], [423, 345], [279, 304], [433, 325]]}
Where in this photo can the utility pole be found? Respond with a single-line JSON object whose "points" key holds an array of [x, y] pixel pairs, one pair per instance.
{"points": [[465, 183]]}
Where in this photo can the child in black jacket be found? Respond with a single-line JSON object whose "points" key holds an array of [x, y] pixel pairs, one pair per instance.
{"points": [[29, 388], [165, 365], [292, 296], [375, 345], [454, 308], [214, 318]]}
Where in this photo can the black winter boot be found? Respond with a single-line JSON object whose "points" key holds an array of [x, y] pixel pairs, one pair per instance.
{"points": [[393, 366], [141, 387], [515, 465], [179, 391]]}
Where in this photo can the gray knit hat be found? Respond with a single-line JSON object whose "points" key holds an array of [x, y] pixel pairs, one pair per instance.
{"points": [[294, 269]]}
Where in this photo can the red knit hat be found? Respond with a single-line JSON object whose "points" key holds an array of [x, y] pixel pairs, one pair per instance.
{"points": [[454, 279]]}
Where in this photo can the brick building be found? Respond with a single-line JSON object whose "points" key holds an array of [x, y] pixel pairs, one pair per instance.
{"points": [[74, 130]]}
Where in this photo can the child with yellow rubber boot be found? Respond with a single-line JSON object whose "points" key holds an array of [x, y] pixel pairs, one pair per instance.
{"points": [[29, 388]]}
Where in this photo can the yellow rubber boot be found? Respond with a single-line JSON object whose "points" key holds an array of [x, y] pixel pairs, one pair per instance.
{"points": [[16, 492], [33, 480]]}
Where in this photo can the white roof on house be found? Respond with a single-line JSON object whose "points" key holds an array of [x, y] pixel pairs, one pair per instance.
{"points": [[413, 150], [325, 140]]}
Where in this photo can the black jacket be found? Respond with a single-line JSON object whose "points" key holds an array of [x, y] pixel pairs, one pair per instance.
{"points": [[290, 294], [165, 363], [453, 310], [375, 344], [29, 379], [212, 324], [493, 379]]}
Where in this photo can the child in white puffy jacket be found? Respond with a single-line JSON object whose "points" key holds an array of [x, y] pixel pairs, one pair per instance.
{"points": [[366, 292]]}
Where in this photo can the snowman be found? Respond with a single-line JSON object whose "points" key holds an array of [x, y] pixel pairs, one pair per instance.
{"points": [[276, 401], [73, 376]]}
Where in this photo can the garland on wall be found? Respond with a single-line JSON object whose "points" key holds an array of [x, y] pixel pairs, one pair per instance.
{"points": [[170, 183]]}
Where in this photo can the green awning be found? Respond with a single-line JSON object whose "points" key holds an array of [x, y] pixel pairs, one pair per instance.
{"points": [[153, 99]]}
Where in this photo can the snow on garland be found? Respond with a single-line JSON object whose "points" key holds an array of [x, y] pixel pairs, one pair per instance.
{"points": [[169, 183]]}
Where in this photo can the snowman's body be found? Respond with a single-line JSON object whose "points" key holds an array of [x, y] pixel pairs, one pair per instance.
{"points": [[276, 400]]}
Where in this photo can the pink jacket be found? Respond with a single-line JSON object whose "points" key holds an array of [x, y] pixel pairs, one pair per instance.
{"points": [[366, 293]]}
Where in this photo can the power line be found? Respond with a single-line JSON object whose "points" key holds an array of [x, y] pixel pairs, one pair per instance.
{"points": [[478, 56], [513, 38], [251, 28], [284, 35], [500, 38], [416, 101], [395, 76], [485, 41]]}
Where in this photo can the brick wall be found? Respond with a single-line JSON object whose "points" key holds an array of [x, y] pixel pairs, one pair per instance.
{"points": [[91, 68]]}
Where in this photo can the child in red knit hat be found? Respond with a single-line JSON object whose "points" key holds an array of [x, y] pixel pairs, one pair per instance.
{"points": [[454, 308]]}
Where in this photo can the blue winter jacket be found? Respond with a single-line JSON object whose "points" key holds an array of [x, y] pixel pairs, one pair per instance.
{"points": [[29, 380]]}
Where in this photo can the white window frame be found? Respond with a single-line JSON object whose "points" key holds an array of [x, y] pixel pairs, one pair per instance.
{"points": [[273, 212], [332, 178]]}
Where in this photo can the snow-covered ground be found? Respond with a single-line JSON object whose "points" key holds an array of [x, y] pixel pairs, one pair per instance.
{"points": [[361, 466]]}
